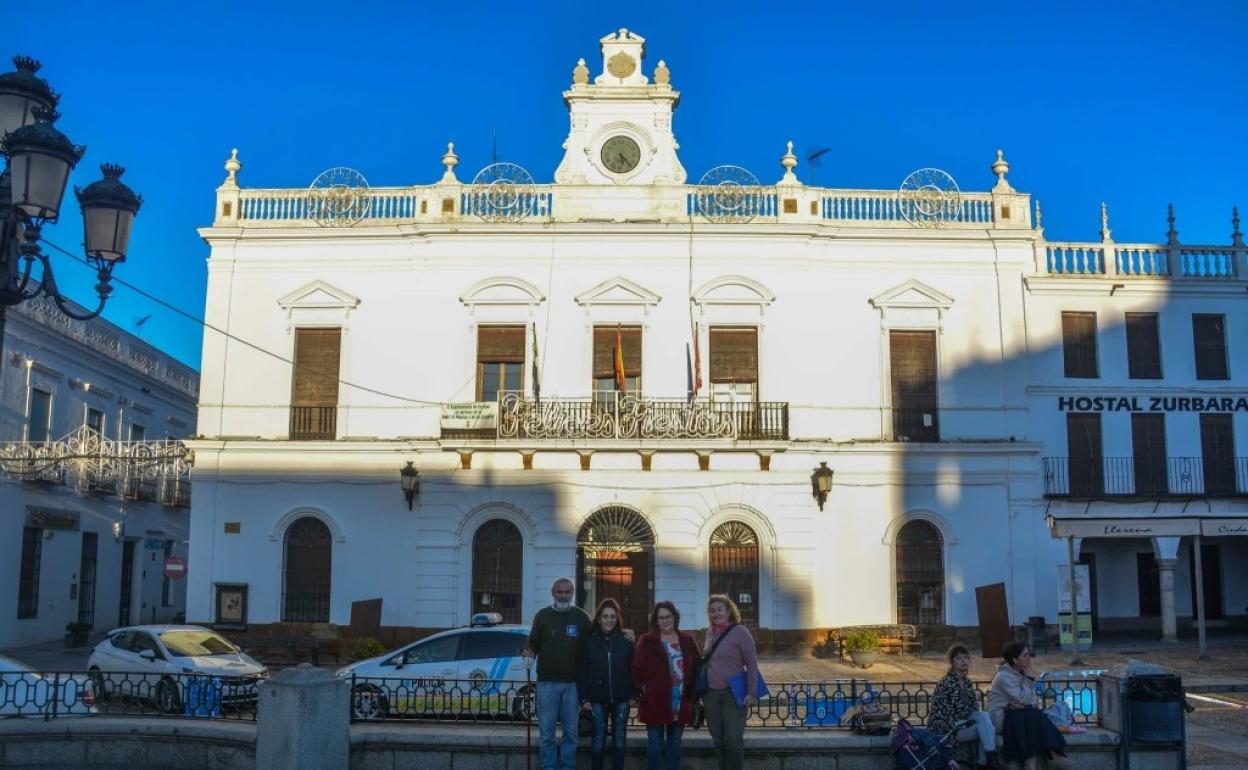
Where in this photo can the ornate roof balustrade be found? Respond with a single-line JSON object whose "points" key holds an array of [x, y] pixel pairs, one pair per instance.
{"points": [[1139, 260], [620, 416], [135, 470]]}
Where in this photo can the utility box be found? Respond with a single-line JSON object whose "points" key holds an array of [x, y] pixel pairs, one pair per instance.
{"points": [[1143, 703]]}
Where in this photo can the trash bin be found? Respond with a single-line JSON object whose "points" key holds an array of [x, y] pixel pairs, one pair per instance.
{"points": [[1156, 704], [1037, 633], [823, 703], [202, 697]]}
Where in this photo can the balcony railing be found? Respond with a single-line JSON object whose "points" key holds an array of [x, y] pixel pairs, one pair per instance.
{"points": [[1109, 477], [622, 416], [1139, 260], [313, 423], [922, 425], [94, 465]]}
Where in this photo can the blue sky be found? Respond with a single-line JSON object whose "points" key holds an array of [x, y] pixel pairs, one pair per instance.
{"points": [[1134, 103]]}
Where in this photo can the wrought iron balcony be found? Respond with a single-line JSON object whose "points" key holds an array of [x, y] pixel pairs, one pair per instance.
{"points": [[621, 416], [93, 465], [1152, 477], [313, 423]]}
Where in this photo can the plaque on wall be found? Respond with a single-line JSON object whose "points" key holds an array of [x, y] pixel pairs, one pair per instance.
{"points": [[231, 606]]}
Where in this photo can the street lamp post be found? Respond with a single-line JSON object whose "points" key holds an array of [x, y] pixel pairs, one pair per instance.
{"points": [[38, 159]]}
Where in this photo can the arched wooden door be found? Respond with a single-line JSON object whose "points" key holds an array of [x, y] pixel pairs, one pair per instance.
{"points": [[498, 569], [615, 558], [920, 574], [307, 569], [734, 567]]}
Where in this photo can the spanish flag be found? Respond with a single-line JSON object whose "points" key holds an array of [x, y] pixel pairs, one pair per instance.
{"points": [[621, 384]]}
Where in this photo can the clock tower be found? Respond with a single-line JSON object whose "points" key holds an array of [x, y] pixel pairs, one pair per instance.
{"points": [[621, 131]]}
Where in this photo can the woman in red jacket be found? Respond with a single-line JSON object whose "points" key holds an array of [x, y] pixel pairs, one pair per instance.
{"points": [[663, 669]]}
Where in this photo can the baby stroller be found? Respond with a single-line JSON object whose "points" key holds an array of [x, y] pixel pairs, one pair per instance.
{"points": [[916, 748]]}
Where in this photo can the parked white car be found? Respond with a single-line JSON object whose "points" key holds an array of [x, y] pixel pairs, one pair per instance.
{"points": [[458, 670], [26, 693], [161, 663]]}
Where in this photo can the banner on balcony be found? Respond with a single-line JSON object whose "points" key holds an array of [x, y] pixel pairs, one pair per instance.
{"points": [[475, 415]]}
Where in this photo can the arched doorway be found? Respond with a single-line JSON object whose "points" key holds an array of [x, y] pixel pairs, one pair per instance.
{"points": [[920, 574], [734, 567], [615, 557], [498, 569], [306, 573]]}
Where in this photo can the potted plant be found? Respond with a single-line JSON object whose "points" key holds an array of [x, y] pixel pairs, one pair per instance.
{"points": [[862, 646], [76, 634]]}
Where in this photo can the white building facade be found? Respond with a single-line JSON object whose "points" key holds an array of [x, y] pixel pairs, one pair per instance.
{"points": [[92, 477], [631, 379]]}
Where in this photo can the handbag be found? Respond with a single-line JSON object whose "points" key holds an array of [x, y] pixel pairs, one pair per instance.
{"points": [[701, 675]]}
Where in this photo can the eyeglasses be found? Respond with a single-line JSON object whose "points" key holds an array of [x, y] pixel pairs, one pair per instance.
{"points": [[664, 617]]}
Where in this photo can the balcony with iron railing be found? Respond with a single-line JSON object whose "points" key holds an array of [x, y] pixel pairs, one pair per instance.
{"points": [[156, 471], [313, 423], [621, 416], [1147, 477]]}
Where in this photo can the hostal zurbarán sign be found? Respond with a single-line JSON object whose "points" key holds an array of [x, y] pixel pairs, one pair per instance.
{"points": [[1152, 404]]}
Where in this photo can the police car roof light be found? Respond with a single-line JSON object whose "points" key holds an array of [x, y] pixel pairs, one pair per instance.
{"points": [[486, 619]]}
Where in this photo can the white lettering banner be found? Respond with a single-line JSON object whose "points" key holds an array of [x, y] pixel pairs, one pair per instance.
{"points": [[1124, 527], [1223, 527]]}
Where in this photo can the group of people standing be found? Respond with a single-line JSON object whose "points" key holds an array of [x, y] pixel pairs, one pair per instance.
{"points": [[596, 665]]}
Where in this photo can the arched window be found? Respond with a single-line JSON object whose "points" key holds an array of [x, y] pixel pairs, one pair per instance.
{"points": [[920, 574], [734, 567], [615, 558], [308, 565], [497, 569]]}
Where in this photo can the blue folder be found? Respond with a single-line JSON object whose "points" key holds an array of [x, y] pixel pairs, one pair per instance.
{"points": [[736, 683]]}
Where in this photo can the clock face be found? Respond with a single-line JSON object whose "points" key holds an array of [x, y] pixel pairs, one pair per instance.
{"points": [[620, 154], [621, 65]]}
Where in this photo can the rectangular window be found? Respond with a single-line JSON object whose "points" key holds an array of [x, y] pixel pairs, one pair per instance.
{"points": [[913, 372], [314, 384], [28, 576], [734, 363], [95, 420], [500, 360], [1143, 347], [1217, 449], [137, 432], [1148, 443], [40, 416], [1086, 463], [1209, 336], [605, 339], [1079, 344]]}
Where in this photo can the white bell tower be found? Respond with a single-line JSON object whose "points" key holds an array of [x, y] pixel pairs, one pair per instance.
{"points": [[621, 131]]}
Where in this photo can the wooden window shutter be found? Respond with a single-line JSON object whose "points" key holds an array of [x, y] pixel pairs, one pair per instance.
{"points": [[500, 344], [734, 354], [1079, 344], [1209, 337], [316, 367], [913, 358], [1143, 346], [1217, 448], [604, 350]]}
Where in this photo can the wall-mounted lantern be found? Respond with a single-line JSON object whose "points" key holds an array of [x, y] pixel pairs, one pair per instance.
{"points": [[409, 479], [821, 483]]}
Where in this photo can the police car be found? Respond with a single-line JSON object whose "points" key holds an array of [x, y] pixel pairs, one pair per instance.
{"points": [[473, 671]]}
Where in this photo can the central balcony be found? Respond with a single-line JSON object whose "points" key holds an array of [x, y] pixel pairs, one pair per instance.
{"points": [[618, 416], [1103, 478]]}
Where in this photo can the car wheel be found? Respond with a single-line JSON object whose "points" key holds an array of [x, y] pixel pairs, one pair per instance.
{"points": [[369, 702], [99, 684], [167, 697], [522, 705]]}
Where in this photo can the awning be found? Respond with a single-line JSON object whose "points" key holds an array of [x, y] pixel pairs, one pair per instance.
{"points": [[1145, 526]]}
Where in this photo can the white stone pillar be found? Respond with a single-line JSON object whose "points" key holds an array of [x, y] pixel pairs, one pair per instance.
{"points": [[1165, 577], [303, 721]]}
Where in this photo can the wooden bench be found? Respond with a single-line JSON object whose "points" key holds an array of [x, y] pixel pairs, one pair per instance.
{"points": [[894, 638]]}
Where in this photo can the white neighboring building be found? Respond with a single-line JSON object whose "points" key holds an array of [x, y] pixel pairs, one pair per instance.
{"points": [[95, 493], [920, 363]]}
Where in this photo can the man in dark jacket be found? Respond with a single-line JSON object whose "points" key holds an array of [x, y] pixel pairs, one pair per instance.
{"points": [[557, 639]]}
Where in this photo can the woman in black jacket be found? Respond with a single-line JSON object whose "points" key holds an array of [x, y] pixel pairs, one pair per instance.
{"points": [[604, 683]]}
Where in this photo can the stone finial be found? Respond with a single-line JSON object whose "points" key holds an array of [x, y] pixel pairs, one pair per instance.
{"points": [[662, 75], [1001, 167], [789, 162], [1106, 234], [450, 160], [232, 166], [1172, 235], [1237, 238], [1039, 217], [580, 73]]}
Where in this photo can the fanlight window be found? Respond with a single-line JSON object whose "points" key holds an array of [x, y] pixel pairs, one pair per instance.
{"points": [[308, 565], [920, 574]]}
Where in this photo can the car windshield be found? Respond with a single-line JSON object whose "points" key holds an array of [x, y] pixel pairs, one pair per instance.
{"points": [[8, 664], [190, 643]]}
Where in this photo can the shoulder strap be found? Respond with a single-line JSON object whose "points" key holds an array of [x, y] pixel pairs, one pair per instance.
{"points": [[718, 639]]}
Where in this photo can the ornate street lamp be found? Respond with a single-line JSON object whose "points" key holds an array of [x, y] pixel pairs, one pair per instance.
{"points": [[409, 479], [821, 483], [38, 161]]}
